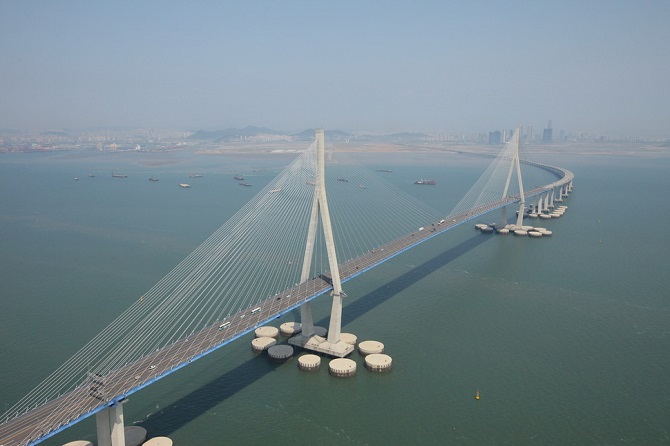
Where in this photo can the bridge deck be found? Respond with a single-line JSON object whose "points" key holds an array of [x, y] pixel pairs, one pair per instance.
{"points": [[99, 392]]}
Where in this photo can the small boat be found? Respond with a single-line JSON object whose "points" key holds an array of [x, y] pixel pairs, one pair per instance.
{"points": [[245, 184], [428, 182], [185, 185], [91, 175], [477, 395], [76, 178], [153, 179], [195, 175], [274, 191], [119, 175], [238, 178], [343, 180]]}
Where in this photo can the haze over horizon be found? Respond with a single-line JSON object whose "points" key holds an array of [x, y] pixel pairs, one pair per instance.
{"points": [[460, 67]]}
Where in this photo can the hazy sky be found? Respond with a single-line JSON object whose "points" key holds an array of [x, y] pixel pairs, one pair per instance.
{"points": [[439, 66]]}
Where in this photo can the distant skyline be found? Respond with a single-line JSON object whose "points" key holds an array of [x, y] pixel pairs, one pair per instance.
{"points": [[425, 66]]}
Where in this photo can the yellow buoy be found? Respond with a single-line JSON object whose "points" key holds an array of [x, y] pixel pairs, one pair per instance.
{"points": [[477, 395]]}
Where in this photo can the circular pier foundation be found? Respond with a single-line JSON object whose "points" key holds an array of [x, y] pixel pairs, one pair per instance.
{"points": [[342, 367], [264, 343], [320, 331], [369, 347], [135, 435], [280, 353], [378, 362], [79, 443], [158, 441], [348, 338], [289, 329], [309, 363], [266, 331]]}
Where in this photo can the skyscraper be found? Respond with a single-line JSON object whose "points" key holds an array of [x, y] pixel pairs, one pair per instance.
{"points": [[546, 134], [494, 137]]}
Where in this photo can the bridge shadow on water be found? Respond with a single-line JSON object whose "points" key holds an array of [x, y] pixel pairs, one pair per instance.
{"points": [[198, 402]]}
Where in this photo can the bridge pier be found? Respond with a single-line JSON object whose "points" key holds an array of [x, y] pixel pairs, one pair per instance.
{"points": [[110, 427]]}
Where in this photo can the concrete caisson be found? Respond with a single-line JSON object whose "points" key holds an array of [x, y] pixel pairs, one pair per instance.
{"points": [[378, 362], [267, 331], [135, 435], [280, 353], [263, 343], [369, 347], [342, 367], [309, 362], [320, 331], [349, 338], [158, 441], [289, 329]]}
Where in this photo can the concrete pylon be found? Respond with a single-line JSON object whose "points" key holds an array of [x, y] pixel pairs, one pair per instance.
{"points": [[515, 164], [109, 426], [333, 345]]}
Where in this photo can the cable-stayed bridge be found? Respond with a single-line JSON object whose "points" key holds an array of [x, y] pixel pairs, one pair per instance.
{"points": [[252, 270]]}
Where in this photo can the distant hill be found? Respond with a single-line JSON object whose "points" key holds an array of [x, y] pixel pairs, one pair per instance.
{"points": [[54, 133], [333, 135], [233, 133], [250, 131]]}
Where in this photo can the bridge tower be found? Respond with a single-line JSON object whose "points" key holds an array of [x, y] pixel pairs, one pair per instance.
{"points": [[515, 164], [307, 339]]}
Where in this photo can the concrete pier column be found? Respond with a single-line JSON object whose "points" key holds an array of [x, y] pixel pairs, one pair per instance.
{"points": [[306, 319], [110, 428], [546, 202], [335, 326], [103, 427]]}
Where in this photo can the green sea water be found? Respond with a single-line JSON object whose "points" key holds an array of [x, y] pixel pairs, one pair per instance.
{"points": [[566, 338]]}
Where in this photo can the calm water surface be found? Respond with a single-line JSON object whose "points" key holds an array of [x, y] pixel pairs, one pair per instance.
{"points": [[566, 338]]}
